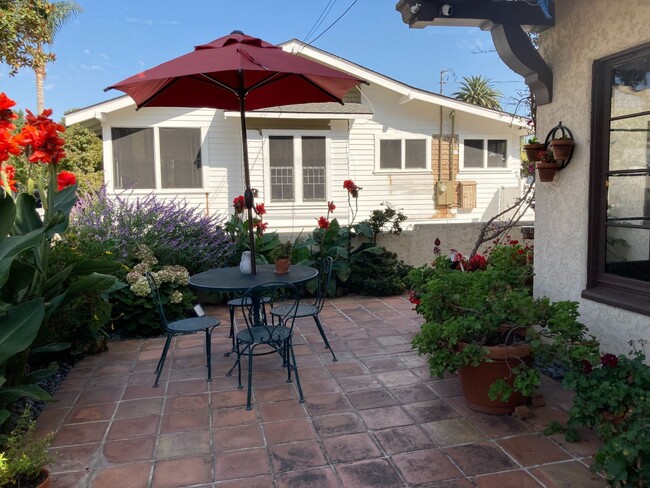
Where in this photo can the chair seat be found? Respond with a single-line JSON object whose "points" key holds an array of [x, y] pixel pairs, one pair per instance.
{"points": [[260, 335], [238, 302], [303, 310], [193, 324]]}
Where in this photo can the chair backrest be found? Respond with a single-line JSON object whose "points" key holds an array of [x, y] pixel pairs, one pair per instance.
{"points": [[257, 298], [156, 298], [324, 277]]}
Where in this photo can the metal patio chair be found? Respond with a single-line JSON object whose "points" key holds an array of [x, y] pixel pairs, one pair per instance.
{"points": [[276, 335], [313, 309], [190, 325]]}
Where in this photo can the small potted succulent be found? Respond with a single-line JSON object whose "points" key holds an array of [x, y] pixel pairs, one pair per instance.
{"points": [[534, 149], [281, 256], [24, 457], [546, 167]]}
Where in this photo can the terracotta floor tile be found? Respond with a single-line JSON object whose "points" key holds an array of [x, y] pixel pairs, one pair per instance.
{"points": [[127, 476], [275, 393], [533, 449], [356, 383], [134, 427], [241, 464], [129, 450], [379, 365], [352, 447], [425, 466], [285, 410], [183, 443], [135, 392], [63, 399], [446, 388], [346, 369], [338, 424], [567, 474], [182, 472], [430, 411], [310, 374], [296, 456], [241, 437], [91, 413], [326, 404], [309, 478], [74, 458], [371, 399], [475, 459], [499, 425], [369, 474], [234, 398], [229, 417], [319, 387], [398, 378], [511, 479], [415, 393], [139, 408], [185, 421], [256, 482], [186, 403], [543, 416], [188, 387], [403, 439], [288, 431], [385, 417], [103, 395], [587, 445], [66, 480], [453, 432], [80, 433]]}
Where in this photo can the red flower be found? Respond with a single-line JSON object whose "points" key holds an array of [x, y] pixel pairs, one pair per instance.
{"points": [[331, 207], [436, 242], [239, 204], [42, 134], [8, 145], [65, 179], [413, 298], [586, 367], [6, 114], [323, 223], [513, 242], [259, 209], [7, 176], [260, 227], [477, 261], [609, 360], [352, 189]]}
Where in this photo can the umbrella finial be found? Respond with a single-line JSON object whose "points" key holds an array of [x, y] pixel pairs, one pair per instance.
{"points": [[237, 31]]}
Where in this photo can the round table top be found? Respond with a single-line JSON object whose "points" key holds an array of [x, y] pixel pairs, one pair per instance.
{"points": [[232, 279]]}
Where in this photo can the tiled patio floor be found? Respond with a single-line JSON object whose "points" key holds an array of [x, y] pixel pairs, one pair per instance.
{"points": [[372, 419]]}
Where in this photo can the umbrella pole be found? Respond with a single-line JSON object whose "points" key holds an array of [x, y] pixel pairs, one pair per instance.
{"points": [[248, 193]]}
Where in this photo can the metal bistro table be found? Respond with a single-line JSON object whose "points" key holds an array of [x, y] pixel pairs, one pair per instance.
{"points": [[231, 279]]}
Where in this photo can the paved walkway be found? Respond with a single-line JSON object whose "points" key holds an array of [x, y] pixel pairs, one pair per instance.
{"points": [[373, 419]]}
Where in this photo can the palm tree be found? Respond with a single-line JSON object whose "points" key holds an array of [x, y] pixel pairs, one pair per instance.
{"points": [[479, 91], [57, 16]]}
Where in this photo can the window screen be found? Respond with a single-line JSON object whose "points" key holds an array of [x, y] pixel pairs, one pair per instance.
{"points": [[473, 153], [497, 154], [180, 158], [133, 160], [313, 168], [416, 153], [281, 164], [390, 154]]}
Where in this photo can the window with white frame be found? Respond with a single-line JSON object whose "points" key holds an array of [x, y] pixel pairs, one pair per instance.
{"points": [[485, 153], [297, 168], [402, 154], [136, 162]]}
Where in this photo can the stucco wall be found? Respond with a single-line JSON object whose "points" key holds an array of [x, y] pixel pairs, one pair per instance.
{"points": [[585, 30]]}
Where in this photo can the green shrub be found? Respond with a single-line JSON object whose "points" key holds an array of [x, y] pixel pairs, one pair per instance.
{"points": [[379, 275]]}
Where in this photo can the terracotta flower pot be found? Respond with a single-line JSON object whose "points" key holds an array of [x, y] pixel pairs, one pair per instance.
{"points": [[44, 479], [282, 266], [534, 151], [476, 381], [562, 148], [546, 171]]}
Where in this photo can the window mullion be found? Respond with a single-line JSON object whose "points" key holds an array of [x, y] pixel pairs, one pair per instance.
{"points": [[156, 157], [297, 169]]}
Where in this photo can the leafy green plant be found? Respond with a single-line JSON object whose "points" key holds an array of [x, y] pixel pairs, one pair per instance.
{"points": [[237, 230], [24, 455], [281, 251], [386, 220], [469, 304], [378, 274], [613, 398]]}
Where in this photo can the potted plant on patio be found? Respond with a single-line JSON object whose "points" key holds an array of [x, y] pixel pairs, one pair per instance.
{"points": [[534, 149], [281, 255], [482, 321], [24, 458]]}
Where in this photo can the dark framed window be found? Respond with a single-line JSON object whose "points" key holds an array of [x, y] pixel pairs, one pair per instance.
{"points": [[400, 154], [133, 158], [619, 217], [180, 158], [475, 154]]}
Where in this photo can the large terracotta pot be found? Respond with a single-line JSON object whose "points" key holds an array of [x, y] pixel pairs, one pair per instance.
{"points": [[476, 381]]}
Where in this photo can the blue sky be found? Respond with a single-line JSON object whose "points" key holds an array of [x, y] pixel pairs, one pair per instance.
{"points": [[112, 40]]}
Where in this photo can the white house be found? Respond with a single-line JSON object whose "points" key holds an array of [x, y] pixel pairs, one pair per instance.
{"points": [[386, 138]]}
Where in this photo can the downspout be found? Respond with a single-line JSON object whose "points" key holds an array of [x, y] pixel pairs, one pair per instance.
{"points": [[440, 149], [452, 116]]}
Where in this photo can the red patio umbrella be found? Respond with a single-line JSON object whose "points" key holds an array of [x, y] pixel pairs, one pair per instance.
{"points": [[237, 72]]}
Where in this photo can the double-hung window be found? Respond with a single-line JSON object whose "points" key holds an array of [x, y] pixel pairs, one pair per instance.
{"points": [[298, 168], [403, 154], [153, 158], [619, 217], [485, 153]]}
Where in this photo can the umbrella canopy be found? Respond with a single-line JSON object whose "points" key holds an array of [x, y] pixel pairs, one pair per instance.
{"points": [[237, 72]]}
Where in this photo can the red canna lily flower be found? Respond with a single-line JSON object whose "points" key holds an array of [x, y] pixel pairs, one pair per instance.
{"points": [[323, 223], [41, 134], [65, 179], [259, 209], [8, 146], [352, 189], [7, 176], [239, 204], [331, 207], [6, 114]]}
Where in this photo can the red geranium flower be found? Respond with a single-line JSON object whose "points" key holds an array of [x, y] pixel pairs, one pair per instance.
{"points": [[586, 367], [609, 360], [65, 179], [413, 298], [239, 204], [7, 174], [323, 223], [477, 261], [331, 207], [6, 114], [259, 209]]}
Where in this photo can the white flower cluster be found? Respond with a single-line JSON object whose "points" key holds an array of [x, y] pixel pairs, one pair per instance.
{"points": [[176, 275], [176, 297], [141, 287]]}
